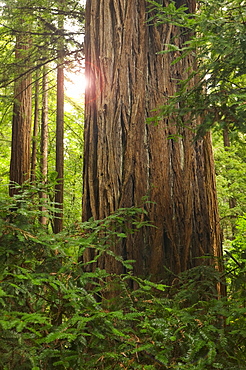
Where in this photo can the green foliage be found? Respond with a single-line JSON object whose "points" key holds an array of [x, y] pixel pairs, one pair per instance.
{"points": [[73, 163], [230, 168], [54, 314], [38, 20], [217, 43], [214, 91], [236, 261]]}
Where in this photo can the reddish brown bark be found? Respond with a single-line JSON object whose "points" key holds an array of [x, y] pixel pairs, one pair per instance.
{"points": [[232, 201], [58, 221], [126, 159], [22, 115], [35, 129], [44, 144], [59, 188]]}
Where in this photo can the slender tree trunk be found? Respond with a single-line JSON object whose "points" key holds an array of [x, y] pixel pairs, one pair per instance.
{"points": [[232, 201], [126, 159], [22, 115], [44, 144], [35, 129], [226, 138], [58, 221]]}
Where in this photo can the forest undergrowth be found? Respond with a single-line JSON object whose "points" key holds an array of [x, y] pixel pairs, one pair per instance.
{"points": [[54, 314]]}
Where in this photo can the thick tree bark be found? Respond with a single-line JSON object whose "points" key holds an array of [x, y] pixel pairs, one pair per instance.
{"points": [[126, 159], [22, 115]]}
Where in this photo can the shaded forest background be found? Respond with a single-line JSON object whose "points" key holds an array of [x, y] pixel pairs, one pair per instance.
{"points": [[54, 311]]}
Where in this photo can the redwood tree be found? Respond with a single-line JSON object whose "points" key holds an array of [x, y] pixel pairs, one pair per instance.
{"points": [[22, 115], [44, 143], [35, 128], [126, 159], [59, 188]]}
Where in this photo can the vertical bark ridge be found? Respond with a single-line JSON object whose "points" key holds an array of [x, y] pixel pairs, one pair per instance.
{"points": [[126, 159], [22, 116]]}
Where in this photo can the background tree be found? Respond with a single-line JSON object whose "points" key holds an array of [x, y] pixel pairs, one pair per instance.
{"points": [[59, 188], [127, 160], [35, 128], [40, 23], [22, 115], [44, 144]]}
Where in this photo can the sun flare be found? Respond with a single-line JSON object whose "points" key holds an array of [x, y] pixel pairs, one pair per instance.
{"points": [[75, 85]]}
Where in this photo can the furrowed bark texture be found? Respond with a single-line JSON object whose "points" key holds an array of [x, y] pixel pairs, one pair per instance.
{"points": [[22, 116], [126, 159]]}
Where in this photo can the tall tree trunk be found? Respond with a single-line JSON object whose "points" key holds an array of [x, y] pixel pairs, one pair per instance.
{"points": [[59, 188], [35, 129], [232, 201], [22, 115], [226, 138], [126, 159], [44, 144]]}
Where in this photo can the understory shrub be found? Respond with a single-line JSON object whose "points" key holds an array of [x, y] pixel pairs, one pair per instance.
{"points": [[50, 319]]}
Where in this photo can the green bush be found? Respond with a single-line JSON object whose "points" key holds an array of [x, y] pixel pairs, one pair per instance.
{"points": [[51, 317], [236, 262]]}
